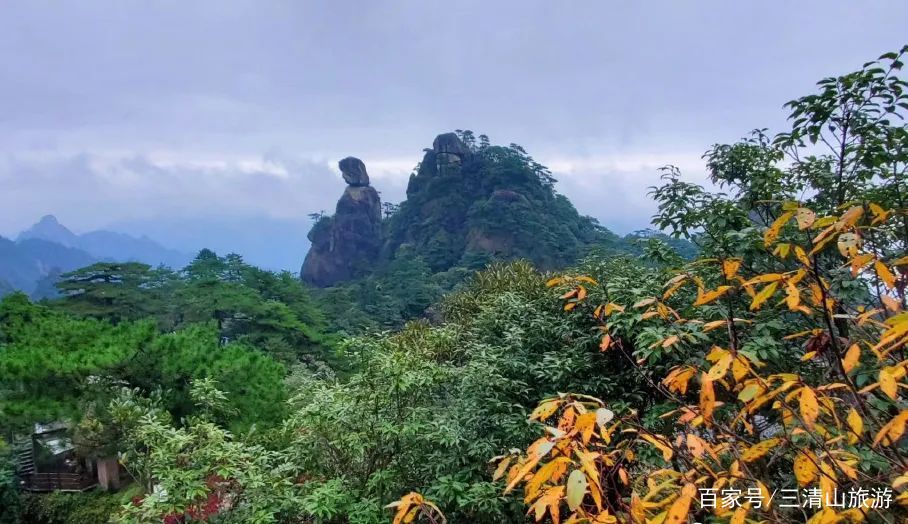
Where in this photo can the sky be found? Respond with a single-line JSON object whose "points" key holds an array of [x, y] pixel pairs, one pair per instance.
{"points": [[221, 122]]}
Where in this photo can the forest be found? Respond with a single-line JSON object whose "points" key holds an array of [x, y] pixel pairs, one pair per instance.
{"points": [[746, 364]]}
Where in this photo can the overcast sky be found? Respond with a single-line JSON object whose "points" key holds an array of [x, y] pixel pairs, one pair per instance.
{"points": [[115, 112]]}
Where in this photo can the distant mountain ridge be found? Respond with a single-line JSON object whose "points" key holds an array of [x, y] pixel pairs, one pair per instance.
{"points": [[106, 245], [48, 248]]}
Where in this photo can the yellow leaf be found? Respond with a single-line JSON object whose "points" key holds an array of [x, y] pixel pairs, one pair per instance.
{"points": [[611, 307], [554, 281], [763, 296], [739, 368], [758, 450], [709, 326], [707, 397], [801, 255], [888, 383], [792, 296], [730, 267], [893, 430], [502, 467], [678, 378], [762, 279], [545, 410], [606, 342], [849, 244], [720, 368], [852, 357], [805, 218], [670, 341], [706, 298], [808, 356], [677, 513], [749, 392], [891, 303], [638, 512], [773, 232], [879, 214], [885, 274], [661, 443], [782, 250], [739, 515], [576, 489], [696, 445], [809, 407], [858, 263], [805, 467], [550, 470], [850, 217], [855, 424], [644, 302], [823, 222]]}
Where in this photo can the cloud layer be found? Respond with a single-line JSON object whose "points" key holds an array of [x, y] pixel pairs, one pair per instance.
{"points": [[125, 113]]}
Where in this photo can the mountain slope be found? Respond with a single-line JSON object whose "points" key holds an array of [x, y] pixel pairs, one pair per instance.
{"points": [[470, 202], [24, 263]]}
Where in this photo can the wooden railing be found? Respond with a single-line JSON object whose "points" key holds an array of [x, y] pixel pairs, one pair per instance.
{"points": [[57, 482]]}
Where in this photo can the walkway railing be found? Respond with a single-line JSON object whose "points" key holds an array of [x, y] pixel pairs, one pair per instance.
{"points": [[57, 482]]}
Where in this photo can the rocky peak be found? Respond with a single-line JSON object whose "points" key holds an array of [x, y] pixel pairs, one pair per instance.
{"points": [[354, 171], [346, 245], [50, 229], [450, 152]]}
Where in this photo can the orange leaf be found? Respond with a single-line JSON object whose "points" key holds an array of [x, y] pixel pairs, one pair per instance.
{"points": [[706, 298], [888, 383], [805, 467], [855, 424], [885, 274], [730, 267], [680, 508], [670, 341], [773, 232], [852, 357]]}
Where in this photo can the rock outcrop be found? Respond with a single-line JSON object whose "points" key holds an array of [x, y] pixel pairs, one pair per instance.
{"points": [[354, 171], [450, 153], [346, 245]]}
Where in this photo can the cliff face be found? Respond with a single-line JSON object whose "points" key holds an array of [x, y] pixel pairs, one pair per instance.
{"points": [[346, 245]]}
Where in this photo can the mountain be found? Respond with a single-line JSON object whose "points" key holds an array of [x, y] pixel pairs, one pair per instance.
{"points": [[48, 228], [106, 245], [468, 203], [24, 263]]}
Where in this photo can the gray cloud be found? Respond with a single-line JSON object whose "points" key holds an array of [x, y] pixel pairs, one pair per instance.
{"points": [[112, 111]]}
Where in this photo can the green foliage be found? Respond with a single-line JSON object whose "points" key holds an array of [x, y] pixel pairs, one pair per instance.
{"points": [[9, 492], [72, 508], [500, 202]]}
